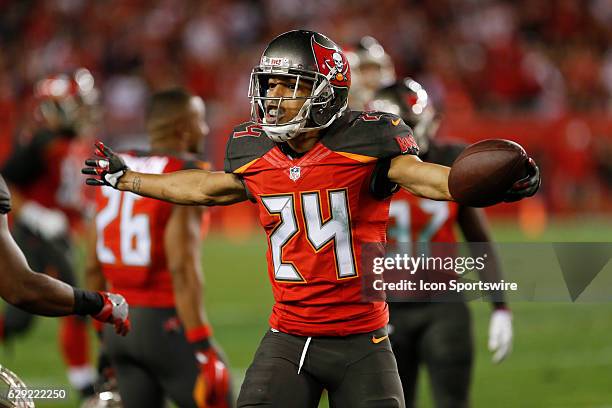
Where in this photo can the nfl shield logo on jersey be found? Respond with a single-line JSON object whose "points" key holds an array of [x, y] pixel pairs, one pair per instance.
{"points": [[294, 173]]}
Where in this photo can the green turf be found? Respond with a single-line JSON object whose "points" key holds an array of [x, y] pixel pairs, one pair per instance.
{"points": [[562, 352]]}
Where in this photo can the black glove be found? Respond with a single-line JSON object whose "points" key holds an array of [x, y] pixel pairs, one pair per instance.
{"points": [[525, 187], [5, 197], [108, 166]]}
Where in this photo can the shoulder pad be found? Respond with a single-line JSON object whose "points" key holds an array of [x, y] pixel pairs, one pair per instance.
{"points": [[5, 197], [375, 134], [247, 143], [444, 154]]}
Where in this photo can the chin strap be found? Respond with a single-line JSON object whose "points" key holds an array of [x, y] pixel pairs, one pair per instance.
{"points": [[286, 132]]}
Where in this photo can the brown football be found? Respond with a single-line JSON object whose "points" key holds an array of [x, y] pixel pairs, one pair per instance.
{"points": [[484, 171]]}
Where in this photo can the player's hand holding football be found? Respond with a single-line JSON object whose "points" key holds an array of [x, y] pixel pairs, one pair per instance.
{"points": [[115, 311], [108, 166], [212, 388], [527, 186], [500, 334]]}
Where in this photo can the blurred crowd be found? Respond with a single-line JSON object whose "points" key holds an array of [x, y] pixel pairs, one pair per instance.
{"points": [[522, 57]]}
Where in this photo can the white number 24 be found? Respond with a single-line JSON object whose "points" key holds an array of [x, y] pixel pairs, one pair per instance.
{"points": [[318, 232]]}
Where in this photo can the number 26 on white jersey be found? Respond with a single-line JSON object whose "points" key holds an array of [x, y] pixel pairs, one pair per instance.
{"points": [[135, 236]]}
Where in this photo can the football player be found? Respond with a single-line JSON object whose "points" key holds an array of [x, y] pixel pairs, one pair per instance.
{"points": [[436, 334], [43, 295], [149, 251], [308, 162], [46, 200]]}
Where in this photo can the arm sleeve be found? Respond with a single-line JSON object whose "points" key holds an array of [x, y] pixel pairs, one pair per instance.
{"points": [[394, 138], [247, 143]]}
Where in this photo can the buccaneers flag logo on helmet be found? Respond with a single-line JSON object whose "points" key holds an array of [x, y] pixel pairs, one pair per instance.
{"points": [[329, 59]]}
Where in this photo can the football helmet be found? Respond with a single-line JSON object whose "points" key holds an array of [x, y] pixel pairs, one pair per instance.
{"points": [[67, 101], [9, 380], [372, 69], [409, 100], [301, 55]]}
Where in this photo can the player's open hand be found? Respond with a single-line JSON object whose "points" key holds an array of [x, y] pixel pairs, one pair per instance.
{"points": [[108, 166], [500, 334], [212, 388], [527, 186], [115, 311]]}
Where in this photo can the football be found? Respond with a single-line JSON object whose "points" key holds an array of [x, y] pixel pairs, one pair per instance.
{"points": [[484, 171]]}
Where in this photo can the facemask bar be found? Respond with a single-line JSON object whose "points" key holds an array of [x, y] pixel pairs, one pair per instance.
{"points": [[256, 88]]}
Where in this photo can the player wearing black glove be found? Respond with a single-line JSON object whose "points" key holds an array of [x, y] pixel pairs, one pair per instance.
{"points": [[41, 294], [527, 186], [108, 165]]}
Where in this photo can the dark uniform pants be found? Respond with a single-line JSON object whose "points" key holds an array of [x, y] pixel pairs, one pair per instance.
{"points": [[154, 361], [438, 335], [358, 371]]}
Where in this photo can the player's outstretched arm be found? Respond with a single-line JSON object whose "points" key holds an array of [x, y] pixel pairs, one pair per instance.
{"points": [[187, 187], [41, 294], [422, 179], [430, 180], [21, 287]]}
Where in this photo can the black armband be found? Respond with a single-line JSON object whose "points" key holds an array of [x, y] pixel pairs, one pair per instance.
{"points": [[87, 302], [380, 185]]}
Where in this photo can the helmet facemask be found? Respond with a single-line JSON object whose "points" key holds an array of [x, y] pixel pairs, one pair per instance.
{"points": [[315, 113]]}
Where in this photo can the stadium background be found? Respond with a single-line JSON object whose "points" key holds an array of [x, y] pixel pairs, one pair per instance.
{"points": [[538, 72]]}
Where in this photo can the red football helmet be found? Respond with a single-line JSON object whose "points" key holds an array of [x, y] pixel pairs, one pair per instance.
{"points": [[408, 99], [67, 101], [303, 56]]}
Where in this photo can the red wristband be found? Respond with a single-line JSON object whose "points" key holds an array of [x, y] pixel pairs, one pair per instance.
{"points": [[98, 326], [199, 333]]}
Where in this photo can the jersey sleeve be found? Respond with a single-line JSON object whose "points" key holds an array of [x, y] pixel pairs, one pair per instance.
{"points": [[5, 197], [373, 134], [247, 143], [394, 137]]}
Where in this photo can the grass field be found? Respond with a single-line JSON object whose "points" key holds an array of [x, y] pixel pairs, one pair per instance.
{"points": [[562, 352]]}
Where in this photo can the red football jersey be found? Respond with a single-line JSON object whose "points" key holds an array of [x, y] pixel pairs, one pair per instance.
{"points": [[47, 171], [420, 220], [415, 219], [130, 236], [317, 210]]}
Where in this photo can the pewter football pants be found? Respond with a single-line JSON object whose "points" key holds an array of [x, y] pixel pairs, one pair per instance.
{"points": [[358, 371], [438, 335]]}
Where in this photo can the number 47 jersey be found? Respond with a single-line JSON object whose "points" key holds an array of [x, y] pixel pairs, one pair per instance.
{"points": [[318, 210]]}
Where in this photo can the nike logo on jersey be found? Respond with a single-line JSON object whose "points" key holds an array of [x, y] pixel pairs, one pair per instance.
{"points": [[395, 122], [376, 340]]}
